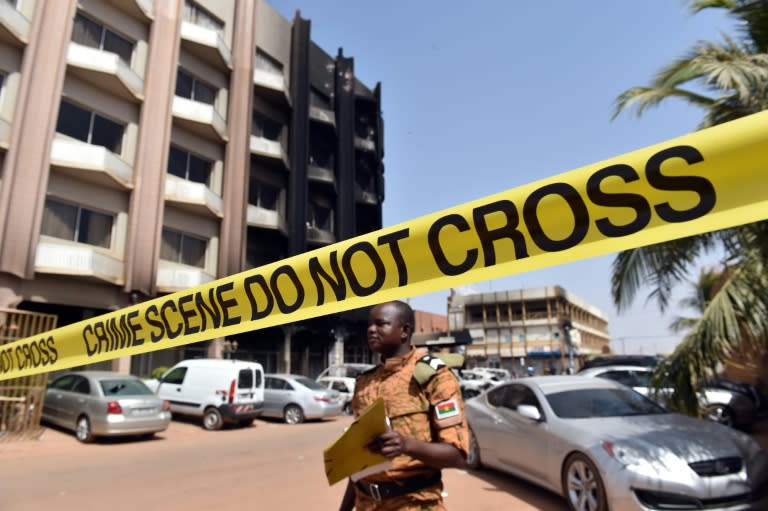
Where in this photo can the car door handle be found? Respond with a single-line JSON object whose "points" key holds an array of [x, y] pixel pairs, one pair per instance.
{"points": [[178, 390]]}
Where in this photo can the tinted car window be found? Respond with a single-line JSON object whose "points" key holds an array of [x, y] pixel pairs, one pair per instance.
{"points": [[245, 379], [124, 387], [81, 385], [588, 403], [176, 376], [340, 386], [63, 383], [258, 377], [275, 383]]}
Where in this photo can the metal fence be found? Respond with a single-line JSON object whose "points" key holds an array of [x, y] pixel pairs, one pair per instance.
{"points": [[21, 399]]}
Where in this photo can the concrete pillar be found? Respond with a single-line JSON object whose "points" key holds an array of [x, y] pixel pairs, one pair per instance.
{"points": [[216, 348], [336, 355], [284, 364], [122, 365]]}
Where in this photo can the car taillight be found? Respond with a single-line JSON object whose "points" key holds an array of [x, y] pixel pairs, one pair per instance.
{"points": [[324, 399], [166, 406], [114, 407], [232, 392]]}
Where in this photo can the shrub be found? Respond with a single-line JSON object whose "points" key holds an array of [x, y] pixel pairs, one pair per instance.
{"points": [[157, 372]]}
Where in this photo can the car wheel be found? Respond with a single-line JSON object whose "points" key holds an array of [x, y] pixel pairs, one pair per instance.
{"points": [[720, 414], [473, 456], [293, 414], [83, 430], [212, 419], [347, 409], [582, 485]]}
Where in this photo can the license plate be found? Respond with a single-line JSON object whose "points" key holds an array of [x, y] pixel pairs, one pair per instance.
{"points": [[143, 411]]}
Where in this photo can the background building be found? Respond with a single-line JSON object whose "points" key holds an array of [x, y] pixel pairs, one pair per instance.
{"points": [[148, 146], [525, 327]]}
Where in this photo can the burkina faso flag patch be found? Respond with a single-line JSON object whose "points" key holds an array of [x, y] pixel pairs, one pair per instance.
{"points": [[446, 409]]}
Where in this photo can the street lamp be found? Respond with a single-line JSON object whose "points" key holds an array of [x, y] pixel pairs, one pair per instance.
{"points": [[230, 347]]}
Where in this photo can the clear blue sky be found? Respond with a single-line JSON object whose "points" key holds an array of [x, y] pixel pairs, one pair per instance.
{"points": [[480, 97]]}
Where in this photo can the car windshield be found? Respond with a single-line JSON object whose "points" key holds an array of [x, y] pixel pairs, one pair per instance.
{"points": [[310, 384], [124, 387], [590, 403]]}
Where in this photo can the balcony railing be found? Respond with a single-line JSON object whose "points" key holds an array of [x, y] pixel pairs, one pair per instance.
{"points": [[69, 258], [173, 276], [207, 44], [269, 148], [192, 194], [91, 162], [105, 70], [14, 27], [201, 118], [265, 218]]}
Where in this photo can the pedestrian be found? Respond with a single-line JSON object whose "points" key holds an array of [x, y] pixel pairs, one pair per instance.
{"points": [[423, 402]]}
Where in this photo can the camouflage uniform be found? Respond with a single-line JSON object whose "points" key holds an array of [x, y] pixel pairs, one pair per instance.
{"points": [[412, 410]]}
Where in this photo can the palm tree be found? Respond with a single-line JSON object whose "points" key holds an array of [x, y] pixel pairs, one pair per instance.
{"points": [[727, 80], [702, 291]]}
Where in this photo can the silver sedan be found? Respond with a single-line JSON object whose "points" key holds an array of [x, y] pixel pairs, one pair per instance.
{"points": [[295, 398], [603, 446], [104, 403]]}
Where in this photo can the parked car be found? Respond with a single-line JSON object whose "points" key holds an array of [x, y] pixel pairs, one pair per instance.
{"points": [[104, 403], [346, 370], [601, 446], [616, 360], [295, 398], [220, 391], [493, 374], [344, 385], [473, 383], [726, 406]]}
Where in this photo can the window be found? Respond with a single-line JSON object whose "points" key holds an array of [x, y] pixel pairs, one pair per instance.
{"points": [[63, 383], [176, 376], [124, 387], [268, 64], [81, 386], [90, 33], [90, 127], [245, 379], [365, 181], [183, 248], [319, 100], [265, 127], [320, 217], [188, 166], [322, 152], [263, 195], [195, 14], [75, 223], [190, 87]]}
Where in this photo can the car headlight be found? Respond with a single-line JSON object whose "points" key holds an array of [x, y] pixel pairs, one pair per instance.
{"points": [[624, 454]]}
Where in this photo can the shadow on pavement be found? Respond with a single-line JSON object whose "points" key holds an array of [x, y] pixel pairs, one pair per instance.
{"points": [[533, 495]]}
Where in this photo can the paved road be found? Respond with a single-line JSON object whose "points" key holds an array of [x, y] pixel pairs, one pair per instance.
{"points": [[268, 466]]}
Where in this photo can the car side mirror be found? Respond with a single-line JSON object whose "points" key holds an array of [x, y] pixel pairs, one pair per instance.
{"points": [[529, 411]]}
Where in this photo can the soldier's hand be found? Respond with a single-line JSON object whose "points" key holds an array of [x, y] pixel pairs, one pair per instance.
{"points": [[389, 444]]}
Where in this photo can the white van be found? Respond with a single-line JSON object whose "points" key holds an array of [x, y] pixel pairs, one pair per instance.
{"points": [[220, 391]]}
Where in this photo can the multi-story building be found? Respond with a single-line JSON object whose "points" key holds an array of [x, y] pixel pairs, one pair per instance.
{"points": [[523, 328], [149, 146]]}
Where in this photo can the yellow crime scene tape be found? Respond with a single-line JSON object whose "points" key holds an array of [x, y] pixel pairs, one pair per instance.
{"points": [[708, 180]]}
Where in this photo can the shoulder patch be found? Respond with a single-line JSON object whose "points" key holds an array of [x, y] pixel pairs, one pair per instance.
{"points": [[426, 368]]}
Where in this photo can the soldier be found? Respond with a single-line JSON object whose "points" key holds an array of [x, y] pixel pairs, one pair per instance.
{"points": [[423, 403]]}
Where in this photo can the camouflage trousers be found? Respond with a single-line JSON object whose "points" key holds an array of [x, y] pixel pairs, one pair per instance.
{"points": [[428, 499]]}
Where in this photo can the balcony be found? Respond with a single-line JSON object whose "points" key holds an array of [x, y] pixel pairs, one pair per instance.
{"points": [[365, 196], [5, 134], [91, 163], [271, 149], [194, 197], [206, 44], [67, 258], [265, 218], [199, 118], [174, 276], [106, 71], [138, 9], [365, 144], [272, 86], [319, 236], [14, 27], [321, 175], [322, 115]]}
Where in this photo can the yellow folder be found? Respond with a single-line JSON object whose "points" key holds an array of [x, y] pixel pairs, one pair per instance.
{"points": [[348, 455]]}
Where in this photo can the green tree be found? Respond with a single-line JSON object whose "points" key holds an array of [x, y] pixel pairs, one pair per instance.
{"points": [[701, 293], [727, 80]]}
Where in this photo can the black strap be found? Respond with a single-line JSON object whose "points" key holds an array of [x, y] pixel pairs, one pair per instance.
{"points": [[388, 490]]}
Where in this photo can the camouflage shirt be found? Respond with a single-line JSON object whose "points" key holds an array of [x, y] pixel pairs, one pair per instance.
{"points": [[431, 412]]}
